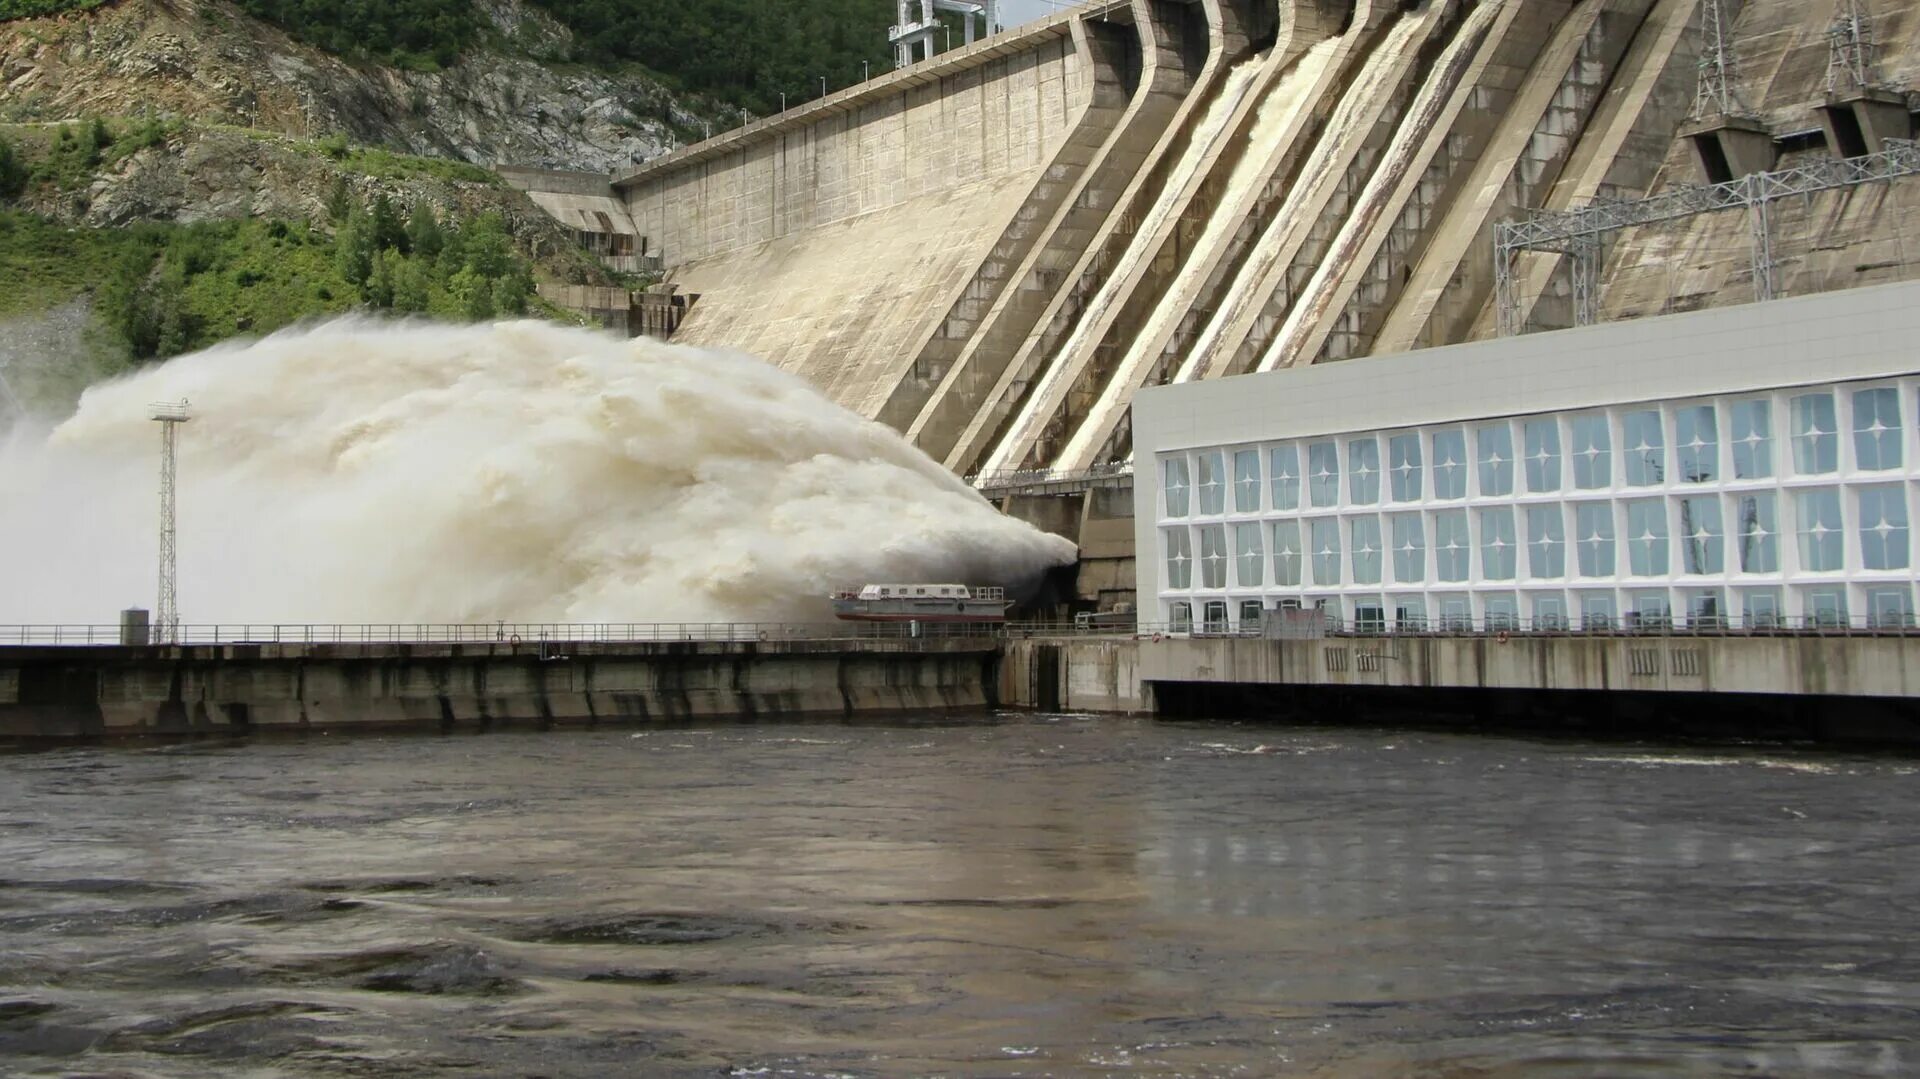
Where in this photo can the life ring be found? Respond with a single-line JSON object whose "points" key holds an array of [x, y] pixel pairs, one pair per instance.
{"points": [[1502, 637], [515, 639], [763, 634]]}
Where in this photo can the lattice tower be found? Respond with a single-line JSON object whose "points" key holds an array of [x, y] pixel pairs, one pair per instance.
{"points": [[1717, 95], [1853, 52]]}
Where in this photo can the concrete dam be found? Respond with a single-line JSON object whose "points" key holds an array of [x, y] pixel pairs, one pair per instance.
{"points": [[991, 250]]}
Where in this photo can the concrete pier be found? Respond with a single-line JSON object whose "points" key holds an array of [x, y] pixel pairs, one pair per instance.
{"points": [[1836, 689], [78, 692]]}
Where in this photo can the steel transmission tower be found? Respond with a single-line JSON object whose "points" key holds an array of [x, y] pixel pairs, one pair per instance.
{"points": [[1716, 95], [167, 620], [1851, 51]]}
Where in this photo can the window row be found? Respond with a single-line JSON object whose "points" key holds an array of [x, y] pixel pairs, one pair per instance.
{"points": [[1653, 537], [1690, 443], [1881, 605]]}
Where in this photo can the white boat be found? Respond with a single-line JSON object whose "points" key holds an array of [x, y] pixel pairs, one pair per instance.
{"points": [[921, 603]]}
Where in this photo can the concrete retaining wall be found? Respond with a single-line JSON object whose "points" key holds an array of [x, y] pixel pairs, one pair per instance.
{"points": [[1094, 674], [80, 692], [1791, 666]]}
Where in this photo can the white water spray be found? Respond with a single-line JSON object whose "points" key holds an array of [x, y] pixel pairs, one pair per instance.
{"points": [[362, 471]]}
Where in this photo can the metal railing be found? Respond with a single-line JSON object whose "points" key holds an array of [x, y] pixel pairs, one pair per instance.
{"points": [[1579, 233], [1640, 625], [1052, 481], [548, 633], [510, 633]]}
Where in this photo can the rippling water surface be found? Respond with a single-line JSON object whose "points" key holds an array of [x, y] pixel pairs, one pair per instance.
{"points": [[1011, 896]]}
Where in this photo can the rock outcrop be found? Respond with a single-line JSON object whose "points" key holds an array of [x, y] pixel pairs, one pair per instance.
{"points": [[510, 101]]}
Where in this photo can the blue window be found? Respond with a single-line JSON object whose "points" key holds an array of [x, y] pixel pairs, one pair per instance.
{"points": [[1752, 437], [1363, 471], [1498, 549], [1449, 464], [1364, 532], [1592, 453], [1546, 543], [1543, 455], [1647, 537], [1817, 514], [1324, 534], [1405, 465], [1284, 463], [1246, 481], [1816, 442], [1176, 486], [1646, 449], [1883, 527], [1323, 474], [1410, 548], [1494, 444], [1286, 554], [1452, 545], [1702, 535], [1696, 443], [1593, 538], [1876, 428]]}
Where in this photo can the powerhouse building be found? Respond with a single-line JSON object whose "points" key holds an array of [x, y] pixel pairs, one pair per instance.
{"points": [[1750, 466]]}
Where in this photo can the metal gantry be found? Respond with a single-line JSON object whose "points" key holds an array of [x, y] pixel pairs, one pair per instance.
{"points": [[167, 621], [1581, 234]]}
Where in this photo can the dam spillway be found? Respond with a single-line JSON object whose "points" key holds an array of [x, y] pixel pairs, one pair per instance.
{"points": [[993, 249]]}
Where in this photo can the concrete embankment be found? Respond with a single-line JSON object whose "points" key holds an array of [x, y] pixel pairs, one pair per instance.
{"points": [[76, 692], [1824, 689]]}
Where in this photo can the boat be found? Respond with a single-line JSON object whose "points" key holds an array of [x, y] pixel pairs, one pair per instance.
{"points": [[921, 603]]}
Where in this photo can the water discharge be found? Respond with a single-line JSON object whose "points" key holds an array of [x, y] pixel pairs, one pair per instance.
{"points": [[365, 471]]}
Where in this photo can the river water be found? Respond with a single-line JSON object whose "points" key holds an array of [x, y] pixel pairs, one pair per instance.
{"points": [[1005, 896]]}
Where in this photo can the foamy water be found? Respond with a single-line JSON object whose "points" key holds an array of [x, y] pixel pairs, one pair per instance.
{"points": [[362, 471]]}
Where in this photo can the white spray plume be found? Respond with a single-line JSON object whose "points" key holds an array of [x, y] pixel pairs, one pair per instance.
{"points": [[364, 471]]}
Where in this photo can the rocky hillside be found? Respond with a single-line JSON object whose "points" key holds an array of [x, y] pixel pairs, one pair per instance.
{"points": [[512, 101]]}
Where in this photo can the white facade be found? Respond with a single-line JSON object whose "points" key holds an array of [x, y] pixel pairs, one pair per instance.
{"points": [[1750, 466]]}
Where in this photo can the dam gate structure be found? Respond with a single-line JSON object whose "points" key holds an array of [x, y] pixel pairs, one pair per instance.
{"points": [[992, 249], [995, 249]]}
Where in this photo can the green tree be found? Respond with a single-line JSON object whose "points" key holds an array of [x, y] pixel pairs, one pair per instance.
{"points": [[389, 233], [423, 231], [380, 284], [339, 200], [13, 171], [412, 286], [354, 249], [485, 246], [473, 292], [419, 34]]}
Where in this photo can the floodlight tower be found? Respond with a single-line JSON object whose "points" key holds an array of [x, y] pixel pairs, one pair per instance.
{"points": [[167, 621]]}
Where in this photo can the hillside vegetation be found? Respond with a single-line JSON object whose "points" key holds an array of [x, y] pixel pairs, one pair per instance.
{"points": [[746, 52], [27, 9], [429, 237]]}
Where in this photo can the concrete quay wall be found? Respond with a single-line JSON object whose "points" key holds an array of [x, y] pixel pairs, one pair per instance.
{"points": [[78, 692], [1786, 665]]}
